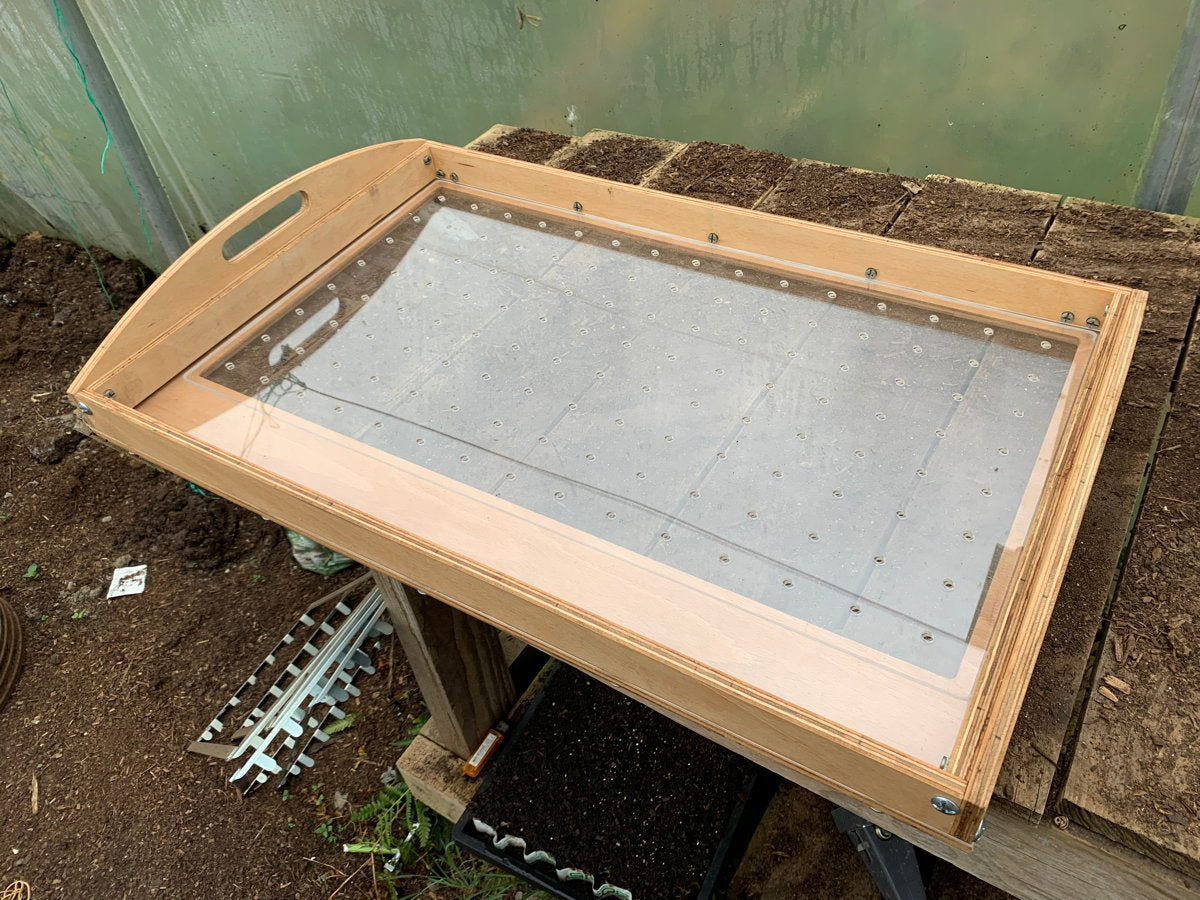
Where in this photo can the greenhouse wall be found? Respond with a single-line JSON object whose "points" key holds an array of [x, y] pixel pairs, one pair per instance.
{"points": [[231, 96]]}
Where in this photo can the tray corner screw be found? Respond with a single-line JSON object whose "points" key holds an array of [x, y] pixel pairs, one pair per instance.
{"points": [[427, 159], [577, 206], [440, 174], [110, 393], [1093, 322], [1068, 316], [713, 237], [872, 272], [944, 805], [454, 177]]}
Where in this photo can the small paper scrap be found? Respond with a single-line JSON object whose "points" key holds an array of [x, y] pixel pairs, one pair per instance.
{"points": [[127, 580]]}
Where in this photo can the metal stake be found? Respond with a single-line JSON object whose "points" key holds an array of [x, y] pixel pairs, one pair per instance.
{"points": [[159, 215]]}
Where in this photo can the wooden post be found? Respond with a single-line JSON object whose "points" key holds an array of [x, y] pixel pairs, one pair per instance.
{"points": [[457, 661]]}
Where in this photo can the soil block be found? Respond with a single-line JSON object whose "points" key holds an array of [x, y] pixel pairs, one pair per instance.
{"points": [[606, 785], [621, 157], [722, 173], [527, 144], [836, 195]]}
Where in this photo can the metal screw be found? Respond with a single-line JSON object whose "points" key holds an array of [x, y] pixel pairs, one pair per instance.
{"points": [[110, 393], [979, 831], [427, 159], [454, 176], [577, 206], [945, 805], [1068, 316], [945, 762], [440, 174], [872, 272], [84, 408], [1093, 321], [712, 237]]}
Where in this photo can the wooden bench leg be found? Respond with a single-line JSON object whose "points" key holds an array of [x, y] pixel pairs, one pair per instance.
{"points": [[457, 661]]}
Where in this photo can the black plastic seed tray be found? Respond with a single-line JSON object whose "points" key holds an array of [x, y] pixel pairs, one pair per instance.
{"points": [[752, 793]]}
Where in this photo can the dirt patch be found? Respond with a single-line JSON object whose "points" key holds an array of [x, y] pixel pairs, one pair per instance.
{"points": [[630, 797], [981, 219], [724, 173], [113, 690], [836, 195], [621, 158], [526, 144]]}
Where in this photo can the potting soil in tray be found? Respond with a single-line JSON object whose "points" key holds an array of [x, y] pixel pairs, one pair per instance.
{"points": [[605, 785]]}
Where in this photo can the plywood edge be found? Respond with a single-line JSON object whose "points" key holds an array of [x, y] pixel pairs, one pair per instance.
{"points": [[202, 274], [1003, 684]]}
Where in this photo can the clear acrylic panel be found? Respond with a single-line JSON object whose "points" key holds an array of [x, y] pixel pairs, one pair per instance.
{"points": [[864, 465]]}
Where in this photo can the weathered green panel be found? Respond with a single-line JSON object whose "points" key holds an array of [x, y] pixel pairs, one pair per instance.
{"points": [[51, 141], [233, 95]]}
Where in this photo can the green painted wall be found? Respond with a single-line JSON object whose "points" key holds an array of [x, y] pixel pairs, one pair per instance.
{"points": [[233, 95]]}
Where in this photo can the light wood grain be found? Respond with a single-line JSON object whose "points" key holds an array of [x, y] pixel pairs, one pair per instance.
{"points": [[613, 613]]}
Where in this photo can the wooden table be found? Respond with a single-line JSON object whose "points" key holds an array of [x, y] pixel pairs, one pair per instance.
{"points": [[1069, 818]]}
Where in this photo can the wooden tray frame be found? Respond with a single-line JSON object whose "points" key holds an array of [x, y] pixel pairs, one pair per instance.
{"points": [[203, 298]]}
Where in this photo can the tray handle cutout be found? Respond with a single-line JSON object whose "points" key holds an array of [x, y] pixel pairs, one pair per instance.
{"points": [[275, 218]]}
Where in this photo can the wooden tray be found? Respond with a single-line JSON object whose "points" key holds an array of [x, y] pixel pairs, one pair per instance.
{"points": [[812, 489]]}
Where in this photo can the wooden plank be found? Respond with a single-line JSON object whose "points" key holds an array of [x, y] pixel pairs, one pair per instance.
{"points": [[490, 136], [458, 663], [1135, 775], [435, 776]]}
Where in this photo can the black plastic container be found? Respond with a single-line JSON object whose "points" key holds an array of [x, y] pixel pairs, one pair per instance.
{"points": [[744, 817]]}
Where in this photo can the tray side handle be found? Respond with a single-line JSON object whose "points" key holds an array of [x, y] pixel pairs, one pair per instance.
{"points": [[203, 273]]}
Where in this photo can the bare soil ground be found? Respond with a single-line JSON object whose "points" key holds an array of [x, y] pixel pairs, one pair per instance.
{"points": [[113, 690]]}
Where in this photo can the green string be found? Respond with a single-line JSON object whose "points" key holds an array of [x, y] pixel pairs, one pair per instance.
{"points": [[70, 219], [70, 45]]}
